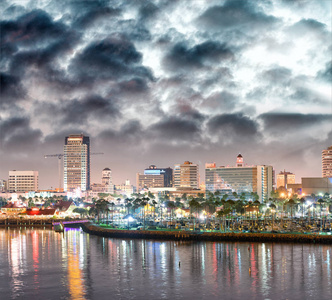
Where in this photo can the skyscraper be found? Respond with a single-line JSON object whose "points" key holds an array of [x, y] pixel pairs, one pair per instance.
{"points": [[327, 162], [284, 178], [77, 162], [186, 175], [107, 181]]}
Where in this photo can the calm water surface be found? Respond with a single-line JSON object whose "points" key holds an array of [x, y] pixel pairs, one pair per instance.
{"points": [[42, 264]]}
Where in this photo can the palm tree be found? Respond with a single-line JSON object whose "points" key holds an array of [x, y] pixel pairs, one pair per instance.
{"points": [[291, 202], [221, 215], [153, 203], [302, 201], [171, 205], [321, 203], [273, 207], [256, 204], [194, 205], [112, 204], [230, 205], [31, 203], [101, 206], [144, 202]]}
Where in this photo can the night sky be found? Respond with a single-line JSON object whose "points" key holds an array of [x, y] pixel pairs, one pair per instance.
{"points": [[161, 82]]}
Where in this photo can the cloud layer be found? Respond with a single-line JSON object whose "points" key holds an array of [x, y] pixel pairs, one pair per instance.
{"points": [[158, 82]]}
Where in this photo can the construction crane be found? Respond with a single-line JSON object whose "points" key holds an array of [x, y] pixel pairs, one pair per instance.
{"points": [[59, 156]]}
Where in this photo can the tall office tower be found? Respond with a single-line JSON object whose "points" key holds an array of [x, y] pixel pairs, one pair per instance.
{"points": [[284, 178], [240, 179], [186, 175], [106, 181], [76, 162], [327, 162], [22, 181], [154, 177]]}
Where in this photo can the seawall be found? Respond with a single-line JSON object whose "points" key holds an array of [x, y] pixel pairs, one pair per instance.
{"points": [[207, 236]]}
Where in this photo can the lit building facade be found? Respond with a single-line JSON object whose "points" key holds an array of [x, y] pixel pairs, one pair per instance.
{"points": [[316, 185], [106, 181], [327, 162], [284, 178], [240, 179], [77, 163], [22, 181], [125, 189], [154, 177], [186, 175]]}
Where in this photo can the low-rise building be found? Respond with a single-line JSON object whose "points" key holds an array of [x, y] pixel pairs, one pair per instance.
{"points": [[316, 185], [154, 177], [22, 181], [240, 179]]}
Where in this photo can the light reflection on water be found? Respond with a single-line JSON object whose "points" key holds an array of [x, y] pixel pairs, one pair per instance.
{"points": [[42, 264]]}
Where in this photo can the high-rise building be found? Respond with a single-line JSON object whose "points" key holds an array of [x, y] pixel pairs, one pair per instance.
{"points": [[3, 185], [240, 179], [106, 181], [284, 178], [327, 162], [154, 177], [22, 181], [77, 162], [186, 175]]}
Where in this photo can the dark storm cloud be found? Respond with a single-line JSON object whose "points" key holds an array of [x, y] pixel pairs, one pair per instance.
{"points": [[326, 74], [235, 14], [96, 14], [174, 128], [232, 125], [80, 111], [16, 134], [129, 133], [197, 56], [34, 39], [134, 30], [11, 89], [283, 122], [223, 101], [148, 10], [112, 58], [133, 86], [32, 29]]}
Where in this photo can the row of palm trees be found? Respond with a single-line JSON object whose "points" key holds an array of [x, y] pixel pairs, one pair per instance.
{"points": [[213, 206]]}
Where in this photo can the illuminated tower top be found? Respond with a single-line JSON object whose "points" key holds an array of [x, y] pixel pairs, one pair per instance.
{"points": [[239, 161]]}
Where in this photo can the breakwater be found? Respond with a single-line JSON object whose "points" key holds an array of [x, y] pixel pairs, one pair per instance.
{"points": [[207, 236]]}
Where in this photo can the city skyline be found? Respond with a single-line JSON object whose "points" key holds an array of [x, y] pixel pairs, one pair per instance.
{"points": [[162, 83]]}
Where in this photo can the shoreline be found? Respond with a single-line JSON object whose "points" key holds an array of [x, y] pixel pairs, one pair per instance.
{"points": [[208, 236]]}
